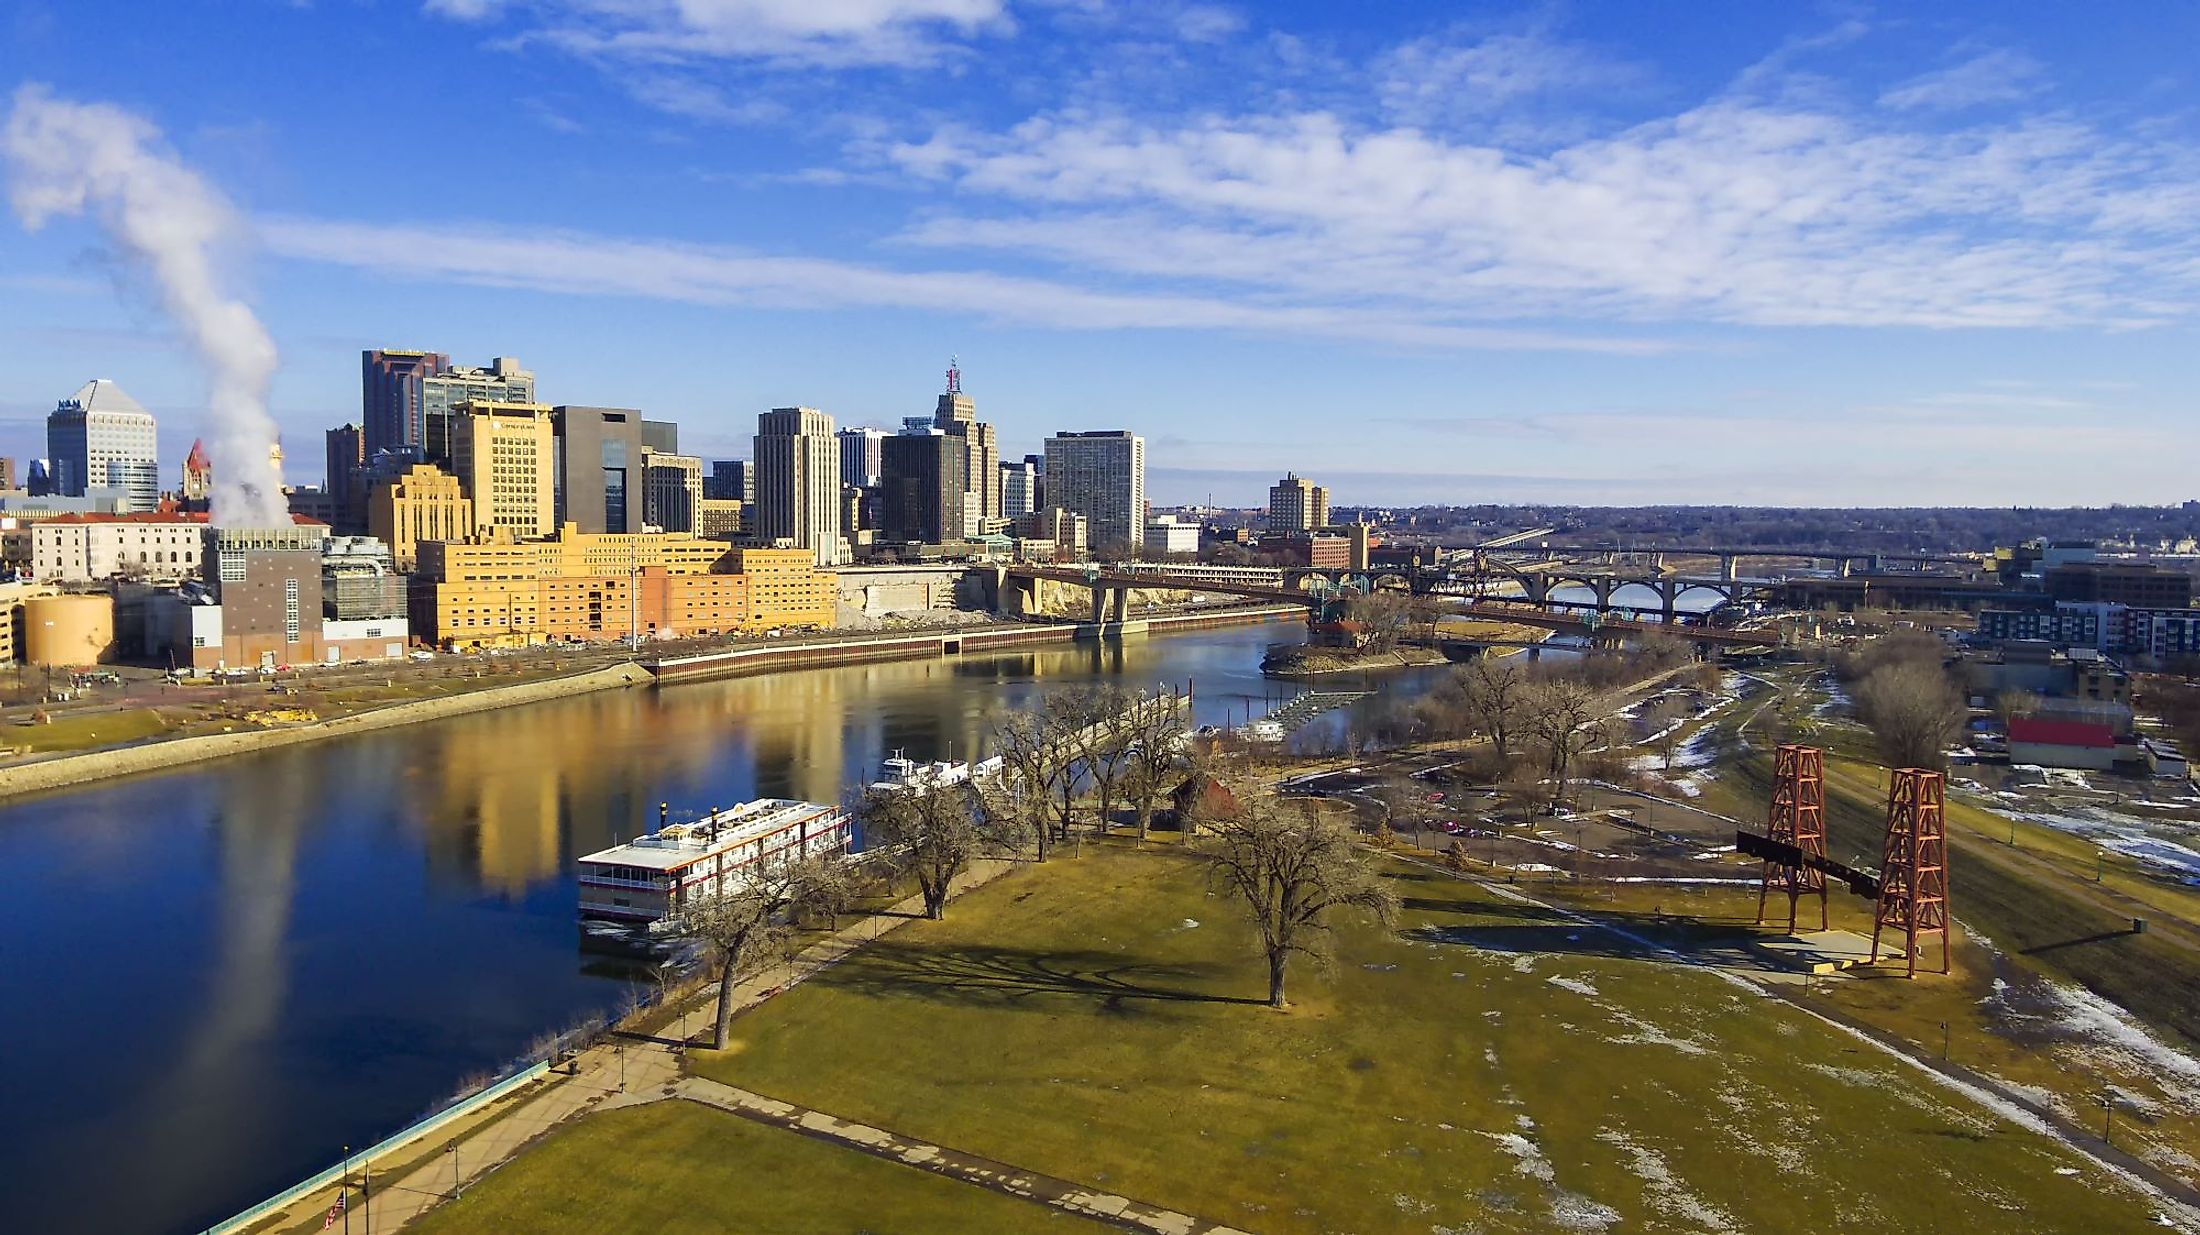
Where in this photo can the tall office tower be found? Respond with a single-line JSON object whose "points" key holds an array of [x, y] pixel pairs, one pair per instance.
{"points": [[346, 448], [958, 415], [1102, 476], [393, 396], [99, 438], [730, 480], [504, 455], [600, 457], [1296, 504], [797, 465], [7, 473], [672, 491], [859, 457], [442, 393], [1020, 487], [923, 495]]}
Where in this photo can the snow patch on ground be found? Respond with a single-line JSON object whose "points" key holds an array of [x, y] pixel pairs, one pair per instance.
{"points": [[1577, 985], [1524, 963], [1668, 1195], [1573, 1212], [1527, 1156]]}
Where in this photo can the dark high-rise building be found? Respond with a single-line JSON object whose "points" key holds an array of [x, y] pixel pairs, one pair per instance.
{"points": [[442, 394], [393, 396], [922, 487], [599, 468], [730, 480], [347, 457]]}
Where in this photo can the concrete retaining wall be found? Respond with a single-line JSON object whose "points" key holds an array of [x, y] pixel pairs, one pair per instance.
{"points": [[63, 771]]}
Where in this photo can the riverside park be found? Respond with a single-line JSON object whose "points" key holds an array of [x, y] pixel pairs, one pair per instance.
{"points": [[1496, 1061]]}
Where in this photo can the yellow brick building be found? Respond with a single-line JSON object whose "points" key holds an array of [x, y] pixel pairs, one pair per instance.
{"points": [[505, 592], [505, 456], [425, 503]]}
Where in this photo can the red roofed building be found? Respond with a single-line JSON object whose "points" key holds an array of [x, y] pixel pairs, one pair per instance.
{"points": [[198, 474], [2061, 743]]}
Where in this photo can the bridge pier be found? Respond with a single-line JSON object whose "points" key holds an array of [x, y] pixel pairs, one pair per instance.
{"points": [[1727, 573]]}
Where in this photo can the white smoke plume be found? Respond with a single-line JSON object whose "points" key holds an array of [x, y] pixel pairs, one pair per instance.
{"points": [[76, 158]]}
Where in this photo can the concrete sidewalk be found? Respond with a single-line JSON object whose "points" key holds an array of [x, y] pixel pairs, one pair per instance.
{"points": [[1001, 1177]]}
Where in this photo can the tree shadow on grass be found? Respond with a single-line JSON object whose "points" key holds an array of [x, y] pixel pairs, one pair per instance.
{"points": [[1513, 929], [1008, 977]]}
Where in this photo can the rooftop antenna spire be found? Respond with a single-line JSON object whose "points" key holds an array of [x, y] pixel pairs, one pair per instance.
{"points": [[954, 375]]}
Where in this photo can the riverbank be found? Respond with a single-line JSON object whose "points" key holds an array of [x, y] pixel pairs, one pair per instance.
{"points": [[1299, 662], [64, 771]]}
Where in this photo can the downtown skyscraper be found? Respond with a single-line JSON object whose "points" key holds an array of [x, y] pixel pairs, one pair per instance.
{"points": [[1102, 476], [797, 464]]}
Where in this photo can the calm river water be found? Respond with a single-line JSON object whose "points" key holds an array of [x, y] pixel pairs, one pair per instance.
{"points": [[214, 979]]}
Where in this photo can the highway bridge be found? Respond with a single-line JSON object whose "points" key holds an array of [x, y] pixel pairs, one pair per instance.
{"points": [[1111, 588]]}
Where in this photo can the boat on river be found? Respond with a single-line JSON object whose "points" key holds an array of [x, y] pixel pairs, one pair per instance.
{"points": [[901, 773], [630, 892]]}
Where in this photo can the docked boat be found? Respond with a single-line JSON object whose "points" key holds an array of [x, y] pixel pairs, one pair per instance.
{"points": [[638, 886], [900, 773]]}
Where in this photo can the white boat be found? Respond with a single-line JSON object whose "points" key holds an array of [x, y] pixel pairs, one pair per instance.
{"points": [[645, 881], [900, 774]]}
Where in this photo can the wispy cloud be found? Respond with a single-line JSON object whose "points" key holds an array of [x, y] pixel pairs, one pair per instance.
{"points": [[803, 32], [1740, 209], [582, 264], [1999, 76]]}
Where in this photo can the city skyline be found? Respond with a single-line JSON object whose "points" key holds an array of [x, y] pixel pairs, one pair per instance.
{"points": [[1586, 257]]}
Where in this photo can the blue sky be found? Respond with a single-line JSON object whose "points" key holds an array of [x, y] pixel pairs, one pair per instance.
{"points": [[1593, 252]]}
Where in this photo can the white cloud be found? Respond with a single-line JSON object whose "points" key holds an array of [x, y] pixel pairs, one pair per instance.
{"points": [[590, 265], [1736, 210], [1430, 81], [2000, 76], [809, 32]]}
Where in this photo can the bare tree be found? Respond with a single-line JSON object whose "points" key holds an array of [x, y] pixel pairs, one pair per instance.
{"points": [[930, 831], [1103, 741], [1036, 764], [1496, 692], [1292, 871], [750, 925], [1387, 615], [1154, 746], [1664, 717], [1914, 712], [1563, 719]]}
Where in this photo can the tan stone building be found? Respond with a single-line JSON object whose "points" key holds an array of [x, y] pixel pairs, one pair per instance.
{"points": [[425, 503], [505, 455], [504, 592]]}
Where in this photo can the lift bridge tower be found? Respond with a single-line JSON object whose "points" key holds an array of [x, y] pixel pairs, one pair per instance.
{"points": [[1798, 819], [1913, 871]]}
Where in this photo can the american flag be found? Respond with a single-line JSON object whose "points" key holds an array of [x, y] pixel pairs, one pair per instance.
{"points": [[335, 1211]]}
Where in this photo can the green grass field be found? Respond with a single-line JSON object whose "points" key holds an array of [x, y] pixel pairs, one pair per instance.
{"points": [[676, 1168], [1488, 1068]]}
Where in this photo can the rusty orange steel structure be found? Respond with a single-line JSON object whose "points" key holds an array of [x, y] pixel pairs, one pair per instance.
{"points": [[1798, 818], [1913, 869]]}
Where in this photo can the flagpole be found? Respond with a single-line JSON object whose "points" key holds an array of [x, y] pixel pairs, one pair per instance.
{"points": [[343, 1188]]}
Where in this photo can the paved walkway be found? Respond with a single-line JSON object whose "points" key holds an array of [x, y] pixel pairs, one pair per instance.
{"points": [[969, 1168]]}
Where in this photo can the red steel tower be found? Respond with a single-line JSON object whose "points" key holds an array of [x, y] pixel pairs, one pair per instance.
{"points": [[1798, 818], [1913, 871]]}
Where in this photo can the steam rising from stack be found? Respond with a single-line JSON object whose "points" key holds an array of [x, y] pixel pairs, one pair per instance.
{"points": [[77, 158]]}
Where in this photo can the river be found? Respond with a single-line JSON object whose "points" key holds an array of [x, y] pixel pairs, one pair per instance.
{"points": [[217, 977]]}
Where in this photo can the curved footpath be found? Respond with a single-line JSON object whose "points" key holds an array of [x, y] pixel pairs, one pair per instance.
{"points": [[63, 771]]}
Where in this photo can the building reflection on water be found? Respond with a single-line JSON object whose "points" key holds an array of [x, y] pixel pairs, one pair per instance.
{"points": [[506, 799]]}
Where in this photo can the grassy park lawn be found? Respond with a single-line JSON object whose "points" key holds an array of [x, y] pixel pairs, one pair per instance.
{"points": [[676, 1168], [1489, 1067]]}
